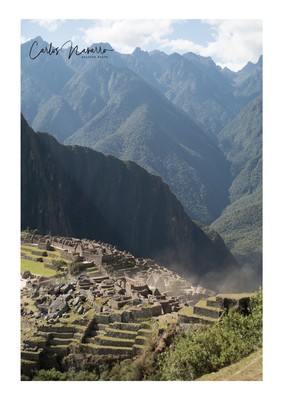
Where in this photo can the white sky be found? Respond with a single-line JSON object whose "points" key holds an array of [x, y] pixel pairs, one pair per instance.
{"points": [[230, 43]]}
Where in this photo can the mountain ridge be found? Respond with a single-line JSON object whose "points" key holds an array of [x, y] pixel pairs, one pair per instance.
{"points": [[123, 115], [95, 200]]}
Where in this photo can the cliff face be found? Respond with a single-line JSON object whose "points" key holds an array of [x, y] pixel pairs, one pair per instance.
{"points": [[76, 191]]}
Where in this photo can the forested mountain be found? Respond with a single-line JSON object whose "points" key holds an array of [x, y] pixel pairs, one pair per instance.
{"points": [[192, 82], [181, 117], [121, 114], [241, 142], [76, 191], [210, 95], [241, 222], [248, 81]]}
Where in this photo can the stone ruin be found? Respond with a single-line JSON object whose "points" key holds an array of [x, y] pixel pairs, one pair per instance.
{"points": [[106, 308]]}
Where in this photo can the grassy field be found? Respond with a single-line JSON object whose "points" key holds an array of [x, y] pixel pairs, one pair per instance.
{"points": [[26, 249], [36, 268], [248, 369]]}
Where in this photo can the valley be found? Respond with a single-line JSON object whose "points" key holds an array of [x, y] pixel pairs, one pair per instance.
{"points": [[141, 216]]}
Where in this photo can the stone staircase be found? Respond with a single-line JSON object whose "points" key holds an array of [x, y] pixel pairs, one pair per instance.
{"points": [[31, 352], [61, 337], [118, 338]]}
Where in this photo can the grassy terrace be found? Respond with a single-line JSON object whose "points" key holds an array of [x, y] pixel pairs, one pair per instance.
{"points": [[235, 296], [51, 254], [202, 304], [36, 268], [98, 346], [189, 312], [30, 248]]}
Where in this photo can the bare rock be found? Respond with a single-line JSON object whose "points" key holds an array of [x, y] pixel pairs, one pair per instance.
{"points": [[26, 274], [58, 307]]}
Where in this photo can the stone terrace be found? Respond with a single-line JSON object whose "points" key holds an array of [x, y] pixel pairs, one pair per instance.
{"points": [[106, 308], [210, 310]]}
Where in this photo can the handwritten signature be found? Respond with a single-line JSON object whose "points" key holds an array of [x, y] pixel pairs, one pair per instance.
{"points": [[35, 50]]}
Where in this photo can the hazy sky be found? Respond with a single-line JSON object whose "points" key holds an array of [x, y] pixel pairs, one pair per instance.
{"points": [[230, 43]]}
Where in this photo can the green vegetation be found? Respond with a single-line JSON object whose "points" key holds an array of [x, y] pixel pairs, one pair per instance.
{"points": [[207, 350], [248, 369], [190, 355], [76, 267], [36, 268], [54, 375], [240, 225]]}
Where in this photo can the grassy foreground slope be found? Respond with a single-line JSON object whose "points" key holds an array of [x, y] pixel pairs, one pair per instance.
{"points": [[248, 369]]}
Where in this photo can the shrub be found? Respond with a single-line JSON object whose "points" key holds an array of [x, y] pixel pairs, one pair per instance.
{"points": [[76, 267], [198, 353], [50, 375]]}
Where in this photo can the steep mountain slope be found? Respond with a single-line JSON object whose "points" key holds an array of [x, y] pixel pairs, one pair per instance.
{"points": [[241, 227], [248, 81], [41, 77], [75, 191], [57, 117], [241, 142], [241, 222], [137, 123], [113, 110], [192, 82]]}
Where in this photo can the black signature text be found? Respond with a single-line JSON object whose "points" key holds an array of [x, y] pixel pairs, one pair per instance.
{"points": [[35, 50]]}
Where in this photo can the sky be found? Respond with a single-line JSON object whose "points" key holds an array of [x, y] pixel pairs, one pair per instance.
{"points": [[230, 43]]}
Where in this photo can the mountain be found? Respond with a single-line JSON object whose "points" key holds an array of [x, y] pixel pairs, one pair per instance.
{"points": [[206, 146], [248, 81], [241, 227], [241, 222], [113, 110], [241, 142], [137, 123], [57, 117], [76, 191], [192, 82], [41, 77]]}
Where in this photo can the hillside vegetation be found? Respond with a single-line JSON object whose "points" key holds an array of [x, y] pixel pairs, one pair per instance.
{"points": [[241, 222], [201, 352]]}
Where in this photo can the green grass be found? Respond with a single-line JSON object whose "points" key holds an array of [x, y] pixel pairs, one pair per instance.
{"points": [[248, 369], [98, 346], [163, 321], [188, 311], [36, 268], [235, 296], [202, 304], [115, 339], [29, 248], [51, 255]]}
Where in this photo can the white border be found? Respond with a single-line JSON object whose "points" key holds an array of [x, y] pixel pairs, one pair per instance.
{"points": [[10, 194]]}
